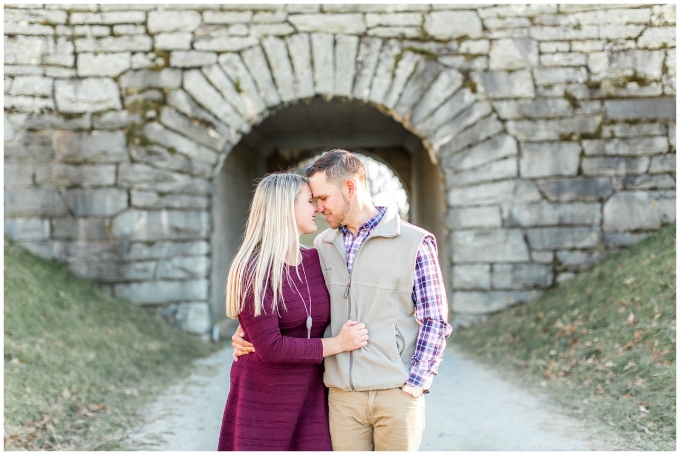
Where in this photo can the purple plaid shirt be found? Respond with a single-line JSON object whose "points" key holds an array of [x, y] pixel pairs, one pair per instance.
{"points": [[429, 297]]}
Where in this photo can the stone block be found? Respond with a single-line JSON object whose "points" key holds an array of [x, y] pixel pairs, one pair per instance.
{"points": [[564, 59], [28, 103], [194, 318], [394, 32], [192, 129], [145, 177], [109, 17], [551, 47], [657, 37], [114, 272], [32, 85], [281, 68], [496, 170], [471, 276], [465, 119], [113, 120], [550, 238], [63, 175], [475, 47], [521, 276], [577, 189], [280, 29], [512, 54], [490, 302], [634, 130], [488, 127], [180, 100], [303, 8], [367, 61], [26, 50], [346, 48], [33, 202], [96, 202], [36, 16], [449, 25], [153, 200], [322, 57], [384, 71], [647, 63], [127, 29], [218, 78], [663, 163], [173, 41], [614, 165], [488, 151], [393, 19], [451, 108], [549, 76], [123, 43], [81, 229], [649, 182], [147, 225], [423, 75], [501, 84], [157, 133], [545, 257], [236, 70], [446, 84], [183, 267], [87, 95], [564, 33], [22, 70], [256, 62], [638, 210], [163, 250], [549, 159], [520, 10], [652, 108], [17, 175], [92, 30], [190, 59], [620, 32], [552, 130], [161, 158], [629, 146], [50, 249], [163, 291], [300, 55], [470, 217], [19, 229], [102, 64], [202, 91], [173, 21], [349, 24], [578, 260], [30, 148], [497, 245], [226, 17], [539, 108], [508, 22], [94, 147], [224, 43], [552, 214], [623, 239]]}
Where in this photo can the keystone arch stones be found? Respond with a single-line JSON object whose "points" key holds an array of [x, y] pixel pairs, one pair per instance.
{"points": [[551, 129]]}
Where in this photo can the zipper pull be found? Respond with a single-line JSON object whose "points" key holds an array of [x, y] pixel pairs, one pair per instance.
{"points": [[347, 288]]}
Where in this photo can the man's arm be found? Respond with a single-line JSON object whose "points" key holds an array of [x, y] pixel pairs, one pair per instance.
{"points": [[432, 309]]}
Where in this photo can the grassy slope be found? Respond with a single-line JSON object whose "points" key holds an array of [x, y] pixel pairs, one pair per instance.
{"points": [[78, 363], [603, 344]]}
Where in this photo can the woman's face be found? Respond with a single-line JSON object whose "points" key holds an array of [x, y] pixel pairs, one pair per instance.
{"points": [[304, 211]]}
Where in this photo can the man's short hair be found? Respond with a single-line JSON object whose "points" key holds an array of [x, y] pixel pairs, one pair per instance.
{"points": [[338, 165]]}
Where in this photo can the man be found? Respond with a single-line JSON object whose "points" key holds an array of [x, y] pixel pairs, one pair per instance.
{"points": [[383, 272]]}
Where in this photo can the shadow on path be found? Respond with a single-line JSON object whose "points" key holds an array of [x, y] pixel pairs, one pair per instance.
{"points": [[470, 407]]}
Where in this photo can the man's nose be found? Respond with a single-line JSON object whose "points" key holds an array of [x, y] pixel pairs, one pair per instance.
{"points": [[318, 207]]}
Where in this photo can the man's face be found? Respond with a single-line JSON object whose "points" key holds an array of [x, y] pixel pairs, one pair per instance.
{"points": [[331, 201]]}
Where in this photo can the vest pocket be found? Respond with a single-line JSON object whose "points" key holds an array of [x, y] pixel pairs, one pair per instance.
{"points": [[399, 338]]}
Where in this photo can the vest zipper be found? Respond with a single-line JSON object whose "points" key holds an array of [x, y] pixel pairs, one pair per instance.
{"points": [[349, 316]]}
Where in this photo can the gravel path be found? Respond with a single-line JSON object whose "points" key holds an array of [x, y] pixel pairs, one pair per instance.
{"points": [[470, 407]]}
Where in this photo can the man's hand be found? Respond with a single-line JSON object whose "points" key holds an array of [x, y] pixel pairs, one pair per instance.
{"points": [[241, 346]]}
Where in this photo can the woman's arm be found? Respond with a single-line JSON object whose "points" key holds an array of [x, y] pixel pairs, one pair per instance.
{"points": [[272, 347]]}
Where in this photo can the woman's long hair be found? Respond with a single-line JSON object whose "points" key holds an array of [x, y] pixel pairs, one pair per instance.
{"points": [[271, 236]]}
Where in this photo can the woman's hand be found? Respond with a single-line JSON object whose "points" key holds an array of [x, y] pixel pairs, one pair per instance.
{"points": [[353, 335], [241, 346]]}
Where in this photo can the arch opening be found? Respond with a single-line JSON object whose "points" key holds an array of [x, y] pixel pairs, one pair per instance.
{"points": [[298, 132]]}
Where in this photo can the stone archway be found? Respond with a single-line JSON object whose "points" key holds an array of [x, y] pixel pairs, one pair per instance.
{"points": [[299, 131]]}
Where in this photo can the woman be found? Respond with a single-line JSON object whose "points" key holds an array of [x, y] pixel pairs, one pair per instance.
{"points": [[277, 400]]}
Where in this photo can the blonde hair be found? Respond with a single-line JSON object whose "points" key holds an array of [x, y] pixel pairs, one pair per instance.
{"points": [[271, 236]]}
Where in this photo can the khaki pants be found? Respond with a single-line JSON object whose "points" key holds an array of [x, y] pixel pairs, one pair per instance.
{"points": [[385, 419]]}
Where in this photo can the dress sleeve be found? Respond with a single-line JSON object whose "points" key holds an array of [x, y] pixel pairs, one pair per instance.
{"points": [[264, 333]]}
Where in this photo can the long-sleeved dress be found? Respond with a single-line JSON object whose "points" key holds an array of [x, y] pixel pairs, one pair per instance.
{"points": [[277, 398]]}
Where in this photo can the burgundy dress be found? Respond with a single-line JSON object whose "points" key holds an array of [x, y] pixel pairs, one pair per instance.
{"points": [[277, 399]]}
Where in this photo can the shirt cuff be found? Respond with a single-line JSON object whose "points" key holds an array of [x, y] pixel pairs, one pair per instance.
{"points": [[420, 378]]}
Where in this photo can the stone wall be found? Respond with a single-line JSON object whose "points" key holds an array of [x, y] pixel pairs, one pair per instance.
{"points": [[553, 127]]}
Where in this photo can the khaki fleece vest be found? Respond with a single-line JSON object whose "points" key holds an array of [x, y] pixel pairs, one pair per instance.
{"points": [[379, 295]]}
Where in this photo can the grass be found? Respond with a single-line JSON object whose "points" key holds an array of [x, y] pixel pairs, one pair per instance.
{"points": [[79, 364], [602, 345]]}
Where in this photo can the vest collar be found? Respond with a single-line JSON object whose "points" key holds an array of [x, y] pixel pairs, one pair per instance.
{"points": [[389, 226]]}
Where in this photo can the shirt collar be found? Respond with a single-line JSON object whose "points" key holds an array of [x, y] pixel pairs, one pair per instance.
{"points": [[370, 224]]}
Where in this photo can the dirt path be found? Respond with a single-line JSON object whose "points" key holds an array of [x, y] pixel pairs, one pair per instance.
{"points": [[470, 407]]}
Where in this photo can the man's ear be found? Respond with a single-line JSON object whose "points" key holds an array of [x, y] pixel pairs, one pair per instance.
{"points": [[351, 187]]}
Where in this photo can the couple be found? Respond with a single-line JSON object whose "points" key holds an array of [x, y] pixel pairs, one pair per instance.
{"points": [[297, 307]]}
